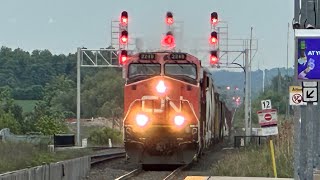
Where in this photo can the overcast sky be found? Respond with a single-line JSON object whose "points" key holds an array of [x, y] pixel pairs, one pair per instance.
{"points": [[63, 25]]}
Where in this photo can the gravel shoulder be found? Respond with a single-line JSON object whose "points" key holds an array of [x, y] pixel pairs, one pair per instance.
{"points": [[111, 170], [118, 167], [204, 165]]}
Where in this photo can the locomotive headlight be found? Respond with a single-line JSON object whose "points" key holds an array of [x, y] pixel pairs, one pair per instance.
{"points": [[179, 120], [161, 87], [142, 120]]}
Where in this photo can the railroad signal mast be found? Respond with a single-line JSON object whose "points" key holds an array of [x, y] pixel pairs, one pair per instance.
{"points": [[214, 40], [123, 37], [168, 41]]}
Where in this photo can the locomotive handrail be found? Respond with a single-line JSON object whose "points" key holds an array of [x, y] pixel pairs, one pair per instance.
{"points": [[125, 117]]}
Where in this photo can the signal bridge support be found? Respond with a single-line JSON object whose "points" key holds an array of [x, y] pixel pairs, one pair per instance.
{"points": [[92, 58], [236, 47]]}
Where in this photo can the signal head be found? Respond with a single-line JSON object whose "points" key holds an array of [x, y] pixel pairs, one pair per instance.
{"points": [[169, 18], [168, 40], [214, 57], [123, 57], [214, 18], [214, 38], [124, 37], [124, 18]]}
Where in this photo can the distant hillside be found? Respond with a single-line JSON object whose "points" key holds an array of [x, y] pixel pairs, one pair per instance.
{"points": [[236, 79]]}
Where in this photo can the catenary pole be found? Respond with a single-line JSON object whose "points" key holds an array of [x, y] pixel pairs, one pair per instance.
{"points": [[78, 95]]}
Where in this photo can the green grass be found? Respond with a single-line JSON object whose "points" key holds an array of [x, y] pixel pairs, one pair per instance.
{"points": [[15, 156], [256, 161], [27, 105]]}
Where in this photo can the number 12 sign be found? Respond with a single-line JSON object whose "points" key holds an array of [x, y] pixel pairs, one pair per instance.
{"points": [[266, 104]]}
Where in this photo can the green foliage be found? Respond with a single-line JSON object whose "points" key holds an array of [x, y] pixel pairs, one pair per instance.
{"points": [[277, 92], [27, 105], [103, 94], [257, 162], [7, 121], [102, 136], [28, 73], [10, 113], [16, 156], [51, 80], [50, 125]]}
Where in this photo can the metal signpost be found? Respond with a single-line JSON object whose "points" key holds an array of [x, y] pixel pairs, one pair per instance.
{"points": [[307, 71], [268, 120]]}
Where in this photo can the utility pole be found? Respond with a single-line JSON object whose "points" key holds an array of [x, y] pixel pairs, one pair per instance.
{"points": [[305, 151], [250, 83], [288, 106], [246, 101], [78, 95], [297, 111]]}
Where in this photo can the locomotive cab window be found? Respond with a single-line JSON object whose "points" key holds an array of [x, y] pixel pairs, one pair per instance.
{"points": [[185, 72], [144, 70]]}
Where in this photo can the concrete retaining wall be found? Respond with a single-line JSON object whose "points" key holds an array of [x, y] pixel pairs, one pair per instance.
{"points": [[75, 169]]}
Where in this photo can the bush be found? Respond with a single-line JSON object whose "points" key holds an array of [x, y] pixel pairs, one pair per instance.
{"points": [[256, 161], [101, 136]]}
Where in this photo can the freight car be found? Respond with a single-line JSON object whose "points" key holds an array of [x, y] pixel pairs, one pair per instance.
{"points": [[171, 109]]}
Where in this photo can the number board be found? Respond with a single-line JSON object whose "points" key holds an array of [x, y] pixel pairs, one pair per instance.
{"points": [[266, 104], [178, 56], [147, 56]]}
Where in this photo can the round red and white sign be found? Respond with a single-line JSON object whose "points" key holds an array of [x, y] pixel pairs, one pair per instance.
{"points": [[267, 117]]}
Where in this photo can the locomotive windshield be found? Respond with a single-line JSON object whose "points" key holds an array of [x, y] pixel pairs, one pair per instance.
{"points": [[181, 71], [144, 69]]}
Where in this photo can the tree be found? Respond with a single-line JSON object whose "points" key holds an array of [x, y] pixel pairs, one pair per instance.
{"points": [[49, 125], [7, 121], [277, 92]]}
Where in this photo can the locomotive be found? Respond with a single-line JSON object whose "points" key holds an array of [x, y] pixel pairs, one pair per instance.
{"points": [[171, 108]]}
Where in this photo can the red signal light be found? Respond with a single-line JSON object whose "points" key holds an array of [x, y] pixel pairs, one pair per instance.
{"points": [[169, 18], [124, 18], [213, 60], [214, 18], [169, 21], [123, 57], [168, 40], [124, 37], [214, 57], [214, 38]]}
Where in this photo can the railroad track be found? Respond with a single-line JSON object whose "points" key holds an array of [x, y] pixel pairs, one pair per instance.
{"points": [[99, 148], [98, 158], [140, 172]]}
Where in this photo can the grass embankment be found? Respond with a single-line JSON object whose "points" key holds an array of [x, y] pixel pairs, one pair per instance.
{"points": [[27, 105], [14, 156], [256, 161]]}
